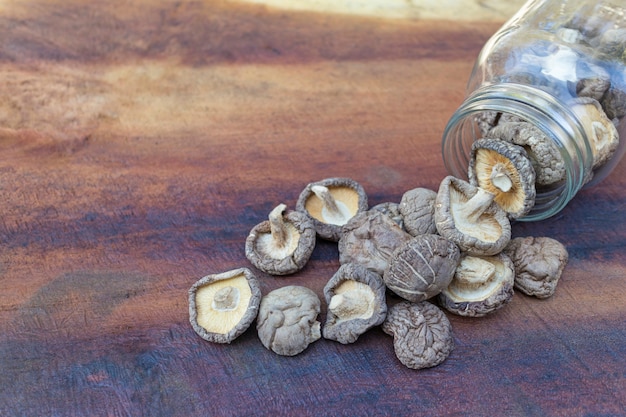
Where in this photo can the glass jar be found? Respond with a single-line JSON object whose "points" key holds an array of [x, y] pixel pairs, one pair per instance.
{"points": [[559, 66]]}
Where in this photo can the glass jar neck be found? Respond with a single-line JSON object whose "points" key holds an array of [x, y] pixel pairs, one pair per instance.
{"points": [[546, 112]]}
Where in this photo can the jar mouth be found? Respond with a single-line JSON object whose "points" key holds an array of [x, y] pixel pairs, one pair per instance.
{"points": [[539, 108]]}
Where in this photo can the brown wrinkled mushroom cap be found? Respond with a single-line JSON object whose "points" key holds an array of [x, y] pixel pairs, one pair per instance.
{"points": [[392, 210], [330, 203], [417, 207], [222, 306], [539, 262], [468, 216], [486, 120], [369, 239], [481, 285], [422, 334], [283, 244], [421, 267], [287, 321], [614, 102], [356, 302], [544, 155], [612, 42], [504, 170], [594, 87]]}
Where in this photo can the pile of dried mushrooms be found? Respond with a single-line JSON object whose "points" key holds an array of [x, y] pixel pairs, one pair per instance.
{"points": [[402, 265]]}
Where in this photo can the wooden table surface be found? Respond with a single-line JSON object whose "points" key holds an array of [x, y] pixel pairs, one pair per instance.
{"points": [[140, 143]]}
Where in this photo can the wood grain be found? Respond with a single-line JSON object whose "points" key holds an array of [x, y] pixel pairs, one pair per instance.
{"points": [[141, 142]]}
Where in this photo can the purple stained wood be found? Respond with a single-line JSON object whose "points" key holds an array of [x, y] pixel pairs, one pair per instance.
{"points": [[142, 142]]}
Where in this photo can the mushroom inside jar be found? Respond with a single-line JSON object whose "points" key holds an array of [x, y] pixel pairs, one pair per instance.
{"points": [[600, 131], [504, 170], [544, 155]]}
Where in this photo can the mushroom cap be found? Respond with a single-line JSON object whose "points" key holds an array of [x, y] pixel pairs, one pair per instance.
{"points": [[417, 207], [614, 101], [262, 251], [421, 267], [544, 155], [538, 262], [356, 302], [593, 86], [222, 306], [486, 120], [489, 155], [487, 235], [481, 285], [287, 321], [392, 210], [612, 42], [422, 334], [369, 239], [601, 132], [349, 193]]}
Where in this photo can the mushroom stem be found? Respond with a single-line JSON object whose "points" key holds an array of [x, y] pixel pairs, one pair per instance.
{"points": [[347, 305], [327, 199], [600, 135], [500, 178], [473, 272], [226, 299], [476, 206], [278, 228]]}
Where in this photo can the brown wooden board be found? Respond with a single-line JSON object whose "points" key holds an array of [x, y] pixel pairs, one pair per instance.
{"points": [[140, 143]]}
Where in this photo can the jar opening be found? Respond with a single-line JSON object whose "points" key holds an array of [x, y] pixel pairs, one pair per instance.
{"points": [[544, 111]]}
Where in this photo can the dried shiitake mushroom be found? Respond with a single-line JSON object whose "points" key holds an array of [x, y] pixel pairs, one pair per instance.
{"points": [[612, 42], [287, 321], [369, 239], [593, 82], [594, 87], [481, 285], [283, 244], [330, 203], [599, 129], [539, 262], [421, 267], [417, 207], [544, 155], [468, 216], [356, 303], [486, 120], [222, 306], [569, 35], [504, 170], [422, 334], [392, 210], [614, 102]]}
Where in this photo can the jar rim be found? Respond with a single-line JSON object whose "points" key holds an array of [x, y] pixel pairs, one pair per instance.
{"points": [[545, 111]]}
